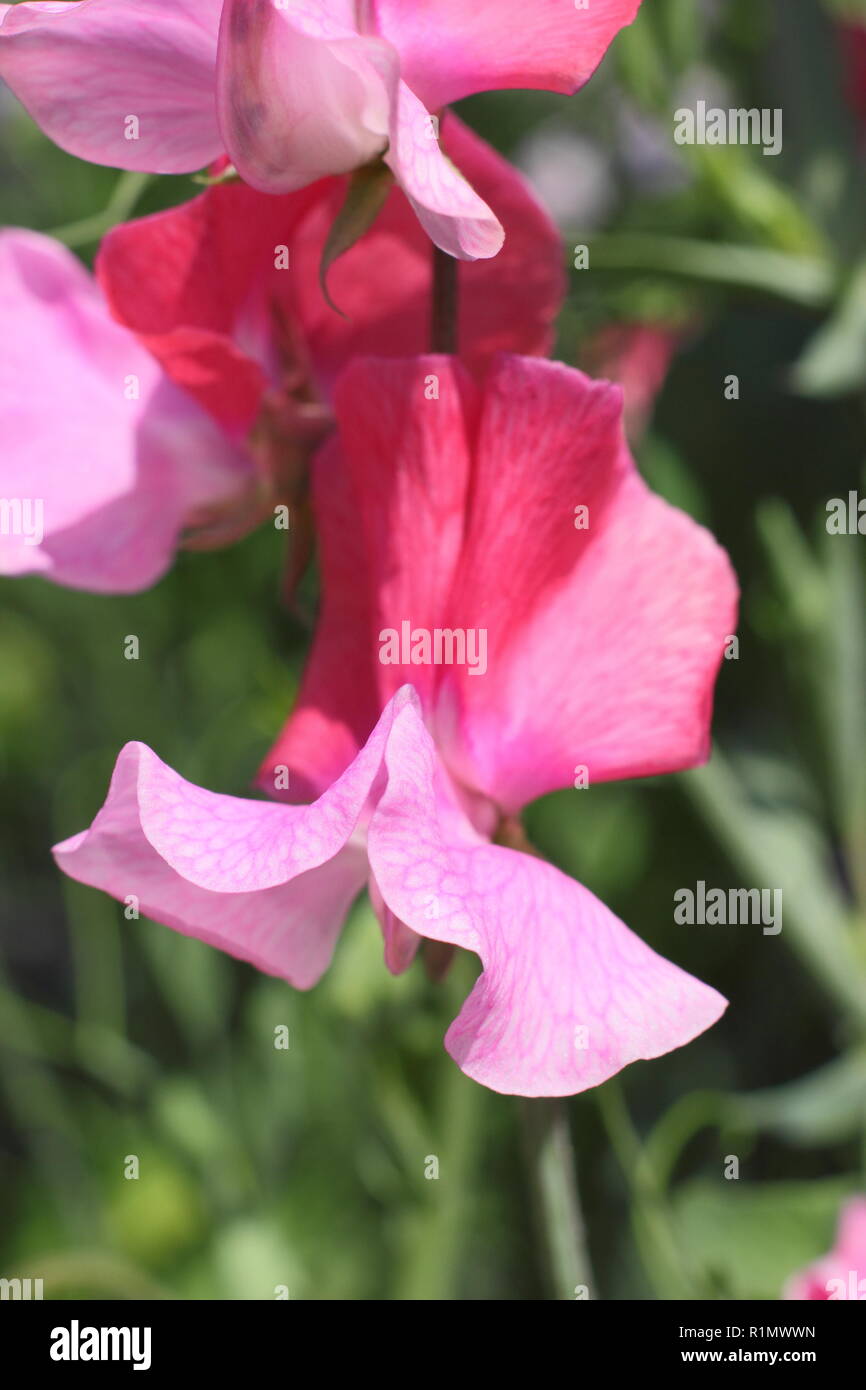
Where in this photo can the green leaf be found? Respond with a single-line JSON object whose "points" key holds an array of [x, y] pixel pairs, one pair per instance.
{"points": [[368, 189], [826, 1107], [834, 360]]}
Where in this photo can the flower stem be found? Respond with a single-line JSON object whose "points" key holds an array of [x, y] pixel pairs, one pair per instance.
{"points": [[443, 319], [552, 1167]]}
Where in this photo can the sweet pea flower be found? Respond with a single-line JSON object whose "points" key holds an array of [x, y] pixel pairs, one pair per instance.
{"points": [[840, 1274], [295, 90], [224, 290], [219, 297], [105, 461], [477, 646]]}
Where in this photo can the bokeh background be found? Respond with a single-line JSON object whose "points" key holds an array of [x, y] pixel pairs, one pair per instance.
{"points": [[305, 1167]]}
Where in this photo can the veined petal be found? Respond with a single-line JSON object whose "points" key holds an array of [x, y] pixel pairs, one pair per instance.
{"points": [[568, 995], [128, 83], [265, 882], [452, 214]]}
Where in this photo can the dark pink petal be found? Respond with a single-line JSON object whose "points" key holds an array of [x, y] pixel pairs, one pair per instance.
{"points": [[339, 700], [201, 286], [567, 995], [371, 515], [87, 72], [267, 883], [605, 644], [113, 455], [452, 48]]}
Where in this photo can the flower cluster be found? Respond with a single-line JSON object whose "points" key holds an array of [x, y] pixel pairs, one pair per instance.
{"points": [[505, 606]]}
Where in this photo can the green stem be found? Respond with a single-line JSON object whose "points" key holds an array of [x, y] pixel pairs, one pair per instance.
{"points": [[807, 281], [552, 1167], [126, 193], [652, 1222], [443, 320]]}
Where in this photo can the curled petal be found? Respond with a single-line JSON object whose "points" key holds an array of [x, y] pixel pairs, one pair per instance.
{"points": [[567, 996], [267, 883]]}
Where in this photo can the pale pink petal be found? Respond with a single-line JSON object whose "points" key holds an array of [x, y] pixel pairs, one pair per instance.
{"points": [[128, 83], [267, 883], [604, 646], [568, 995], [452, 48], [95, 439], [300, 93], [449, 210]]}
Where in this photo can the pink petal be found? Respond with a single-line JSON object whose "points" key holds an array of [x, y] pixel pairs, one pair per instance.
{"points": [[115, 477], [448, 208], [452, 48], [200, 286], [605, 645], [299, 91], [267, 883], [82, 70], [568, 995]]}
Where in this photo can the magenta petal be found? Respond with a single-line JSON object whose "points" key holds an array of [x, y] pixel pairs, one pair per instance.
{"points": [[568, 994], [606, 643], [114, 457], [267, 883], [452, 48], [128, 83], [300, 93]]}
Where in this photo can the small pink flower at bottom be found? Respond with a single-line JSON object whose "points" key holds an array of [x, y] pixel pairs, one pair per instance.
{"points": [[840, 1274], [493, 545]]}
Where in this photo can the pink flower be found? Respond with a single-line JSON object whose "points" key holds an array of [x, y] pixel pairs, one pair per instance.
{"points": [[637, 356], [105, 461], [295, 91], [129, 462], [841, 1274], [450, 524], [224, 290]]}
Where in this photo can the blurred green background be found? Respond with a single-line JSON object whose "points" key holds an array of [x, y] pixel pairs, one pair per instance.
{"points": [[304, 1168]]}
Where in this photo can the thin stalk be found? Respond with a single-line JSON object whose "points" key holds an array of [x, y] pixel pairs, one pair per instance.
{"points": [[553, 1174], [653, 1226], [443, 319]]}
